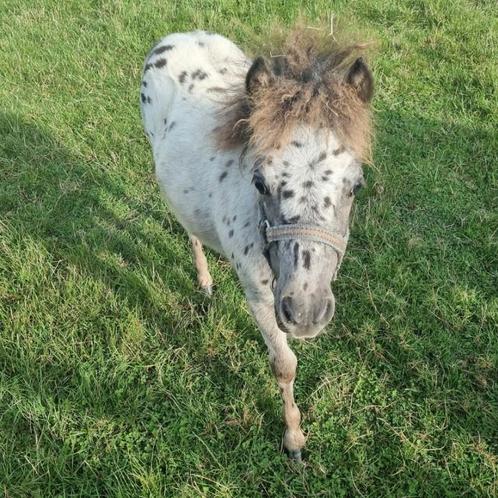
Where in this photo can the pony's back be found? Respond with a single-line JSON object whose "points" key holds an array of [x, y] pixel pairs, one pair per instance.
{"points": [[186, 74]]}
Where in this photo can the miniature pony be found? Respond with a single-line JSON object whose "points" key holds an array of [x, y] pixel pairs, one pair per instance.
{"points": [[260, 160]]}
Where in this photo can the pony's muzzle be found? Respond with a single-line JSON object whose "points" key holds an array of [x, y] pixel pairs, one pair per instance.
{"points": [[305, 316]]}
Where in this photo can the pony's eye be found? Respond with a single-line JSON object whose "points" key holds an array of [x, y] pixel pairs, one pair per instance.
{"points": [[356, 187], [259, 183]]}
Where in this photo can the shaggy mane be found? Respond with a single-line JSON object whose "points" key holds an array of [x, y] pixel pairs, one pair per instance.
{"points": [[308, 87]]}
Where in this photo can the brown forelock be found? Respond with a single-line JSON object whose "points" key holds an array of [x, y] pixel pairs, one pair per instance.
{"points": [[308, 87]]}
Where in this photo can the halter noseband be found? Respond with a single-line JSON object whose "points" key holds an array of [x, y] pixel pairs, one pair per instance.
{"points": [[302, 231]]}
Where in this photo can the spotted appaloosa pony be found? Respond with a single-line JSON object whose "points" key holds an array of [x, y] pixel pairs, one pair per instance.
{"points": [[260, 160]]}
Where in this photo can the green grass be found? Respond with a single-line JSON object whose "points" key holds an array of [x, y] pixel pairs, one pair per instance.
{"points": [[118, 378]]}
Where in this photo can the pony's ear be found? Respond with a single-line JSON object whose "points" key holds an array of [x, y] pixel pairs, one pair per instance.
{"points": [[258, 76], [361, 79]]}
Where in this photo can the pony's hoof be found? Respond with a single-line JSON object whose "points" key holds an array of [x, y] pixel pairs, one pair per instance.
{"points": [[208, 290], [295, 456]]}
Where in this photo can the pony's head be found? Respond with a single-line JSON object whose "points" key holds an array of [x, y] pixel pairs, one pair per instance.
{"points": [[304, 119]]}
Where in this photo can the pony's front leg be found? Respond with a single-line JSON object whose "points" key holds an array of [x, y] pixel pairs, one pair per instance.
{"points": [[283, 363]]}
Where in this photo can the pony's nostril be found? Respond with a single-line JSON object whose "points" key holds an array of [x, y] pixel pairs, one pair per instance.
{"points": [[287, 308], [324, 311]]}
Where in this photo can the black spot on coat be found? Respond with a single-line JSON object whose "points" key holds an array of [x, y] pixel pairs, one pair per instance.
{"points": [[246, 248], [199, 74], [306, 259], [296, 254], [162, 49]]}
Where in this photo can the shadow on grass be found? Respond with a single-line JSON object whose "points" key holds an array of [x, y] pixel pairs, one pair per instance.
{"points": [[94, 233]]}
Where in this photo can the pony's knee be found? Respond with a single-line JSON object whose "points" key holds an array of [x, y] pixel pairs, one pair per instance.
{"points": [[284, 366]]}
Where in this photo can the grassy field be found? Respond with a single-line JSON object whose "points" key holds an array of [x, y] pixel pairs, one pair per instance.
{"points": [[118, 378]]}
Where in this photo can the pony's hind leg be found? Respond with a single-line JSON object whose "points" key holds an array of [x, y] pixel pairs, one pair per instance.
{"points": [[203, 277]]}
